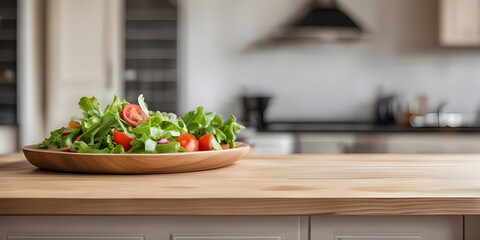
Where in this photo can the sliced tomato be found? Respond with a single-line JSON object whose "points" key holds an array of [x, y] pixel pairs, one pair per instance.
{"points": [[208, 142], [73, 124], [188, 141], [121, 138], [134, 115]]}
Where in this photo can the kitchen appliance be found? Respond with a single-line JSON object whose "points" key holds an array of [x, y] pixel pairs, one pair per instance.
{"points": [[323, 20], [387, 110], [254, 108]]}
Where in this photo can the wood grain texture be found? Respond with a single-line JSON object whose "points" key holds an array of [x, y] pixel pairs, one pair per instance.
{"points": [[349, 184], [133, 163]]}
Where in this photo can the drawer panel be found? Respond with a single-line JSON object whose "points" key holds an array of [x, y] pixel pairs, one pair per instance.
{"points": [[180, 236], [153, 227], [51, 237], [386, 228]]}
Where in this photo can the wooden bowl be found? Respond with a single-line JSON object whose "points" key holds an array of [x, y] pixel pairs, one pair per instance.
{"points": [[133, 163]]}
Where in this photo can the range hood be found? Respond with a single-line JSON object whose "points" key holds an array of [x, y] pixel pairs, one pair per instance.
{"points": [[322, 21]]}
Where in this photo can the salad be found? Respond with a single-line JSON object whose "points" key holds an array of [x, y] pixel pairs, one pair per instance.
{"points": [[131, 128]]}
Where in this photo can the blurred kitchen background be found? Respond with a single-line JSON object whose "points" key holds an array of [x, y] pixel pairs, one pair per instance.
{"points": [[305, 76]]}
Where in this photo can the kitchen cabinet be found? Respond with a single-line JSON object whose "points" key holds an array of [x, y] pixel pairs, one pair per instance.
{"points": [[233, 227], [386, 228], [154, 227], [66, 237], [271, 143], [472, 227], [84, 55], [417, 143], [460, 23], [386, 142], [325, 142]]}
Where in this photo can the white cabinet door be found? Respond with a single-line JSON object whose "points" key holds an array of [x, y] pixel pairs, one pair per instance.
{"points": [[387, 228], [84, 54], [460, 22]]}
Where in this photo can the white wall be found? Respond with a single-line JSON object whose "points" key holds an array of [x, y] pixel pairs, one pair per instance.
{"points": [[321, 81]]}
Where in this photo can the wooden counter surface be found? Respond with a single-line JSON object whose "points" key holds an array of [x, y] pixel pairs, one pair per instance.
{"points": [[355, 184]]}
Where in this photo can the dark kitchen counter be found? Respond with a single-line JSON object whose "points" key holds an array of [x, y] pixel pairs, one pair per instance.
{"points": [[358, 127]]}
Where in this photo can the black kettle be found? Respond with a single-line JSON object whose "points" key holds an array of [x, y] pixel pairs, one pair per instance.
{"points": [[387, 110], [254, 108]]}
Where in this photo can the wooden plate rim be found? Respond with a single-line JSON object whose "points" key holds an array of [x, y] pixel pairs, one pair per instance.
{"points": [[239, 147]]}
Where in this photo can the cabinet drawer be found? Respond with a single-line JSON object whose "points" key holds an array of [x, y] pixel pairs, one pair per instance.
{"points": [[55, 237], [387, 228], [390, 236], [180, 236], [153, 228]]}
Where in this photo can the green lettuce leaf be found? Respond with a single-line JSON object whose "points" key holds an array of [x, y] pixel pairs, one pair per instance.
{"points": [[229, 128], [55, 139], [199, 123], [82, 147], [146, 145], [99, 130], [91, 112], [67, 140], [90, 106], [116, 106]]}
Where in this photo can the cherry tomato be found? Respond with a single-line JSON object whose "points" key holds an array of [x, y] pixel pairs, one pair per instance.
{"points": [[188, 141], [134, 115], [123, 139], [73, 124], [208, 142]]}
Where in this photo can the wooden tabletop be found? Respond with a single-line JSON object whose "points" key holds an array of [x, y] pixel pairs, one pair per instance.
{"points": [[350, 184]]}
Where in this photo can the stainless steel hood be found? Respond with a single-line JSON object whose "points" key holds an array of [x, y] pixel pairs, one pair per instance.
{"points": [[322, 21]]}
